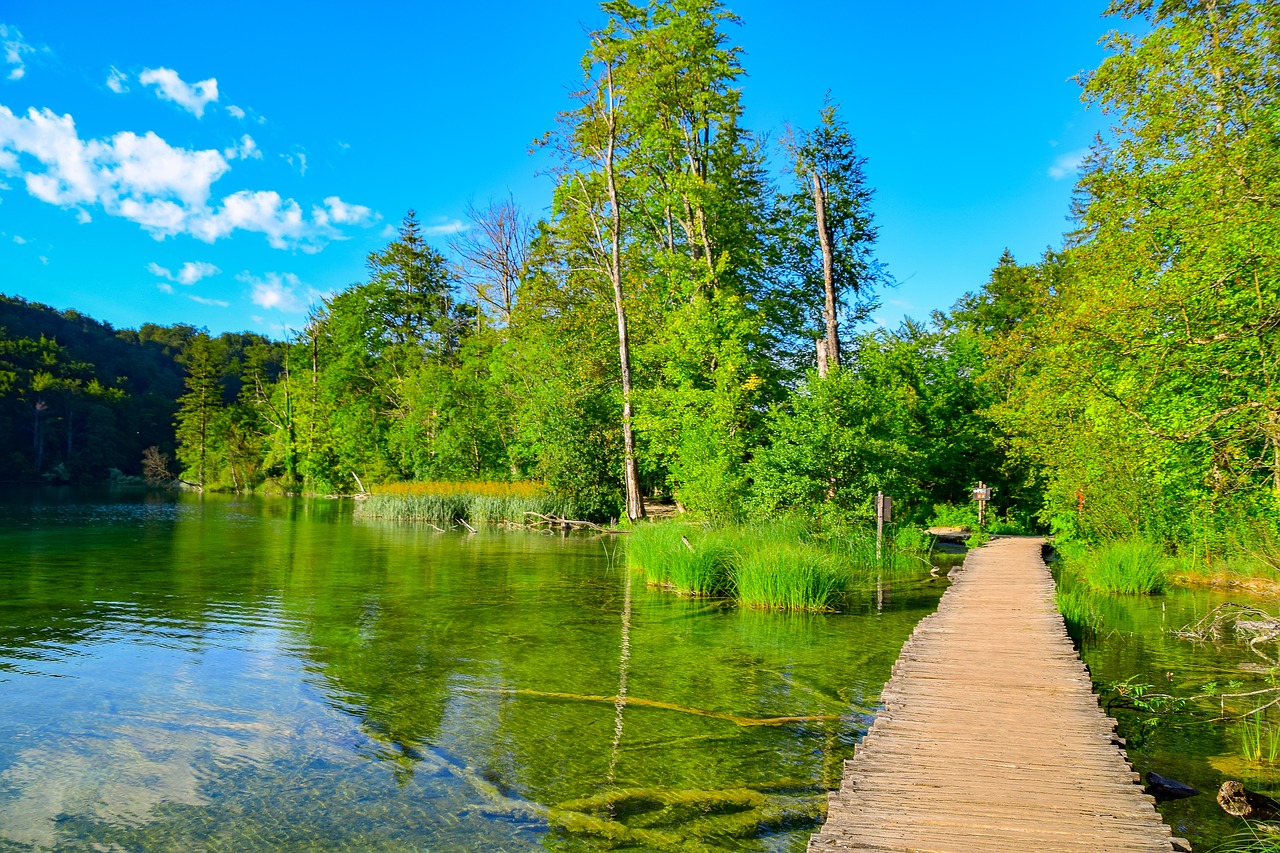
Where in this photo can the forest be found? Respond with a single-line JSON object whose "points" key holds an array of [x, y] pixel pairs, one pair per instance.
{"points": [[690, 322]]}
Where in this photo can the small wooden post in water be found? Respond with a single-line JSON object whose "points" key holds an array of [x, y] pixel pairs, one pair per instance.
{"points": [[884, 512], [884, 508]]}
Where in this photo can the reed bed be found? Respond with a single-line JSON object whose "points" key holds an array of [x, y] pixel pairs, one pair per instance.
{"points": [[1130, 566], [689, 560], [781, 565], [476, 503]]}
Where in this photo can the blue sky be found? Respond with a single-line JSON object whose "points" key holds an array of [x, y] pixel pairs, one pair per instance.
{"points": [[227, 165]]}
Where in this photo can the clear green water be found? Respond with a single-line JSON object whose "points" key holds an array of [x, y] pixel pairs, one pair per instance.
{"points": [[237, 674], [1195, 745]]}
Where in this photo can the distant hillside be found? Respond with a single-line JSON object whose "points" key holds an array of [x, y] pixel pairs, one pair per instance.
{"points": [[79, 397]]}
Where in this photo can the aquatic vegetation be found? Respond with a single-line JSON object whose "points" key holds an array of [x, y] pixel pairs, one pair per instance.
{"points": [[780, 565], [1079, 612], [1259, 739], [1132, 566], [1252, 839], [475, 502], [790, 576], [662, 819], [688, 559]]}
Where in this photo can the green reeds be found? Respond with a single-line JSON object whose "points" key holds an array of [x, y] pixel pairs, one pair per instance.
{"points": [[1259, 739], [789, 575], [687, 559], [780, 565], [1131, 566], [475, 508], [1077, 606]]}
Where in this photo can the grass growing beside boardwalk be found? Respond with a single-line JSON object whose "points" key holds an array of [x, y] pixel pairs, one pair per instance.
{"points": [[781, 565], [477, 503]]}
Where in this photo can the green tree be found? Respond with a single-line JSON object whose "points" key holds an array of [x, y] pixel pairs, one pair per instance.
{"points": [[200, 408], [827, 231]]}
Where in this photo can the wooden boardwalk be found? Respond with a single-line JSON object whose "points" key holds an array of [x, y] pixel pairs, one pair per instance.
{"points": [[991, 738]]}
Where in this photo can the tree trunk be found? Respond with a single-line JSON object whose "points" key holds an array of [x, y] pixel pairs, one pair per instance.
{"points": [[828, 274], [631, 473]]}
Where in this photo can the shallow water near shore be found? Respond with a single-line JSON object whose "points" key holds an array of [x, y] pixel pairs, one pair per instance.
{"points": [[187, 672], [1202, 742]]}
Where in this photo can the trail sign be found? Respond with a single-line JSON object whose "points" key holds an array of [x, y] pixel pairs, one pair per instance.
{"points": [[982, 494], [884, 507]]}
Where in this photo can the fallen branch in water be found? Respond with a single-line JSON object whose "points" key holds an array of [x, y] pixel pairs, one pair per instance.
{"points": [[1250, 624], [569, 523], [652, 703]]}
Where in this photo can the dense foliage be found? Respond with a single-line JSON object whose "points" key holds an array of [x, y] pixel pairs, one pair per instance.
{"points": [[688, 321]]}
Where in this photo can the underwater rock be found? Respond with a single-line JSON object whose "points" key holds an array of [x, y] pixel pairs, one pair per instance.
{"points": [[1165, 789]]}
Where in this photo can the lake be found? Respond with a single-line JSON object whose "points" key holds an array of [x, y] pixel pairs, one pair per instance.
{"points": [[206, 672]]}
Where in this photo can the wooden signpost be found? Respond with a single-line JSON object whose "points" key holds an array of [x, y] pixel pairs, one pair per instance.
{"points": [[982, 494]]}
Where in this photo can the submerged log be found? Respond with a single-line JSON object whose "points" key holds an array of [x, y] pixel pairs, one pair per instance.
{"points": [[540, 520], [1165, 789], [1238, 800]]}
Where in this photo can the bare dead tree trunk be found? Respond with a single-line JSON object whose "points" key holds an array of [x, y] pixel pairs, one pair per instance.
{"points": [[828, 277], [631, 474]]}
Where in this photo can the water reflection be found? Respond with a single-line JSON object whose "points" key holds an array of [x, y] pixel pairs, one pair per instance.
{"points": [[258, 673]]}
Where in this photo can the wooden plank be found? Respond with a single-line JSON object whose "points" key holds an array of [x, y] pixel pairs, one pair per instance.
{"points": [[990, 738]]}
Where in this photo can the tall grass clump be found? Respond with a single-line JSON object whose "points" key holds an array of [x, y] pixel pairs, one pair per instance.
{"points": [[1076, 604], [1131, 566], [686, 559], [475, 502], [782, 574], [1259, 739]]}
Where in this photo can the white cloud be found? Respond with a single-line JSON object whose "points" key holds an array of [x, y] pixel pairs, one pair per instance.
{"points": [[164, 189], [82, 216], [337, 211], [443, 227], [21, 241], [1068, 165], [298, 160], [14, 47], [204, 300], [116, 80], [245, 149], [44, 260], [188, 273], [279, 291], [235, 111], [164, 288], [170, 87]]}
